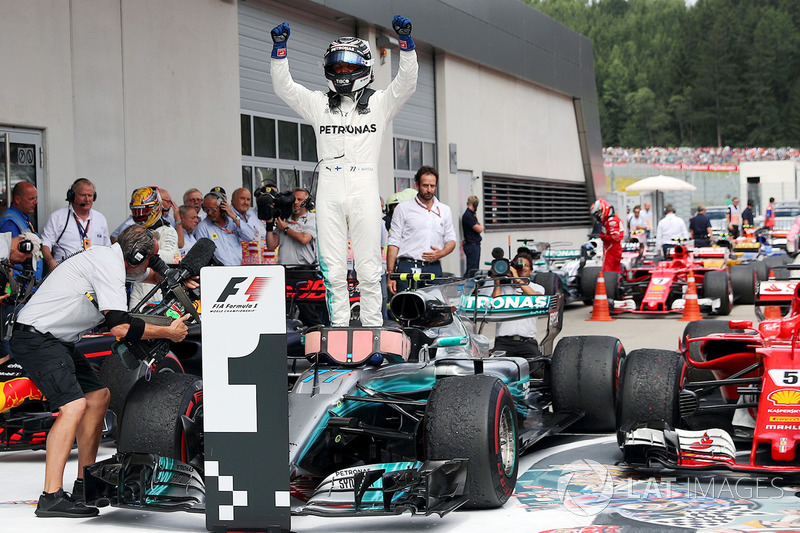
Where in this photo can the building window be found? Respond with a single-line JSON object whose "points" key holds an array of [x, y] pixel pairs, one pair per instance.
{"points": [[516, 202], [277, 152], [264, 135], [409, 155]]}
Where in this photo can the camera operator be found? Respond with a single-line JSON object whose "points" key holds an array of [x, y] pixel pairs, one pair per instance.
{"points": [[88, 289], [13, 251], [517, 337], [296, 235]]}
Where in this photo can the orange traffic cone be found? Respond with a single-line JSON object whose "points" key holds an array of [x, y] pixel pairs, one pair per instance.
{"points": [[691, 309], [600, 307]]}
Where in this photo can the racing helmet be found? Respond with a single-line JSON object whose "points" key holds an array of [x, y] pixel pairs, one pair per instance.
{"points": [[146, 206], [355, 52], [601, 209]]}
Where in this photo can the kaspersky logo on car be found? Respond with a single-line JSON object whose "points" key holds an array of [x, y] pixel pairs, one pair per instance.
{"points": [[241, 294]]}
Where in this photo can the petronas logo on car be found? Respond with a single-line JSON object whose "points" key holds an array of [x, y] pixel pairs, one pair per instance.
{"points": [[504, 303]]}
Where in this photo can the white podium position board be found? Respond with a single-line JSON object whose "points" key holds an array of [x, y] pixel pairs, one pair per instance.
{"points": [[245, 398]]}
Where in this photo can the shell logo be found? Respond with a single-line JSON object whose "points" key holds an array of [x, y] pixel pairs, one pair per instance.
{"points": [[785, 397]]}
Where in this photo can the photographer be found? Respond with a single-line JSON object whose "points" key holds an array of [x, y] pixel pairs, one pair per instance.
{"points": [[517, 337], [296, 235]]}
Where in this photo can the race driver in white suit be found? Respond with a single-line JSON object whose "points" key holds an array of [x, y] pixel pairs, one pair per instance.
{"points": [[349, 121]]}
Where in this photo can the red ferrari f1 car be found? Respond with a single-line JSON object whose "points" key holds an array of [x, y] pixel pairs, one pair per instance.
{"points": [[661, 288], [747, 396]]}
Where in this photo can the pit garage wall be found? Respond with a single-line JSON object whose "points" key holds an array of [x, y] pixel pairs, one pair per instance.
{"points": [[127, 92], [503, 125]]}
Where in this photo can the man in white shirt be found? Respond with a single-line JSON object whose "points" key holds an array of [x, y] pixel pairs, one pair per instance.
{"points": [[75, 227], [84, 291], [422, 231], [670, 228], [734, 218], [517, 337]]}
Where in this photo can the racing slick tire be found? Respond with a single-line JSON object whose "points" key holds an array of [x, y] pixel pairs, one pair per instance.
{"points": [[120, 380], [650, 382], [716, 284], [771, 261], [550, 281], [154, 410], [743, 283], [702, 328], [588, 284], [473, 417], [762, 270], [584, 372]]}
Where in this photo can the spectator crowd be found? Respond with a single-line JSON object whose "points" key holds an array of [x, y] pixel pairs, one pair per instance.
{"points": [[709, 155]]}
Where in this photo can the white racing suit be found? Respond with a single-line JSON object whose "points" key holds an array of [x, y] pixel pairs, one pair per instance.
{"points": [[348, 145]]}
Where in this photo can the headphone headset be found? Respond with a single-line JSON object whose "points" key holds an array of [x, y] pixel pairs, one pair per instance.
{"points": [[218, 195], [308, 203], [71, 190], [140, 251]]}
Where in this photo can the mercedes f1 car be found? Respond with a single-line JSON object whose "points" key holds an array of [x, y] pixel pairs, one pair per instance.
{"points": [[415, 418], [747, 397]]}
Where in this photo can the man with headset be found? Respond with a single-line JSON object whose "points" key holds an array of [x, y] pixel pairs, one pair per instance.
{"points": [[75, 227], [296, 236], [87, 290], [223, 226]]}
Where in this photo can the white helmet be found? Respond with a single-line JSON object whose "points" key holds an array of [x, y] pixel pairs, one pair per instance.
{"points": [[355, 52]]}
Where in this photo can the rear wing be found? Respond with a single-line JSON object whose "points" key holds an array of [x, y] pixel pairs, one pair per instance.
{"points": [[478, 305]]}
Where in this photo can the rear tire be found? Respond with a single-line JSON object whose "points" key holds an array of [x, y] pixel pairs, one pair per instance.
{"points": [[588, 283], [649, 388], [473, 417], [120, 380], [152, 422], [743, 283], [716, 284], [584, 377]]}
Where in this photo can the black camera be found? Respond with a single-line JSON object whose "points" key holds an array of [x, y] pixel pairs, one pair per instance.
{"points": [[272, 205], [501, 266]]}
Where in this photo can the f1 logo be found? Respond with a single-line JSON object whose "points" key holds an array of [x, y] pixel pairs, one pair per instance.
{"points": [[253, 291]]}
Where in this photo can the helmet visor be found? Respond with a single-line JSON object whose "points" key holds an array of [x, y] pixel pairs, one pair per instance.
{"points": [[345, 56]]}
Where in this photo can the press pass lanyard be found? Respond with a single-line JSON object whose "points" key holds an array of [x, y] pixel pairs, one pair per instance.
{"points": [[87, 243]]}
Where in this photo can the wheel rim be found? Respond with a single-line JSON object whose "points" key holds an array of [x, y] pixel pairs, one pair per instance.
{"points": [[508, 441]]}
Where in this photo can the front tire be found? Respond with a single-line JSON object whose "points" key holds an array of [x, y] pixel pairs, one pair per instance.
{"points": [[473, 417], [154, 417], [584, 375], [743, 283], [649, 389], [716, 284]]}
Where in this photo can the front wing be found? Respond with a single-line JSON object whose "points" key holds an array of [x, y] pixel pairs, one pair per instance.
{"points": [[145, 481], [680, 449], [391, 488]]}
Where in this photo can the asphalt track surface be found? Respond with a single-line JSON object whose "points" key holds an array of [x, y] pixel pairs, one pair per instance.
{"points": [[566, 483]]}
